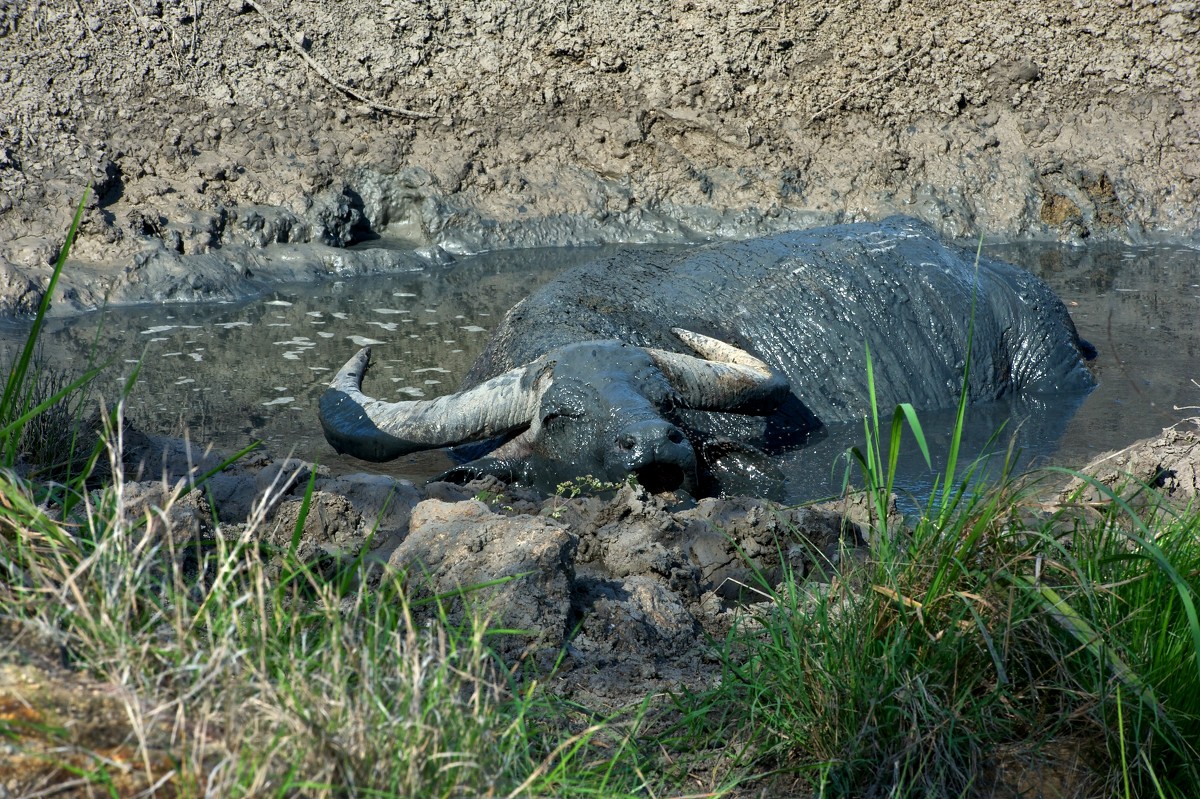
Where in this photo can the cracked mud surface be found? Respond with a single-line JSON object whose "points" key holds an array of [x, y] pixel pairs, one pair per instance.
{"points": [[232, 144]]}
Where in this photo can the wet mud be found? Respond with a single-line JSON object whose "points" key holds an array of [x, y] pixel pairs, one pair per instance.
{"points": [[236, 144]]}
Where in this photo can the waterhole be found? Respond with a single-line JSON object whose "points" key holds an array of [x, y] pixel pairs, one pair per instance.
{"points": [[231, 373]]}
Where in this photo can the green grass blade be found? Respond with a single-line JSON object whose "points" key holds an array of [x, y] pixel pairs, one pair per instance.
{"points": [[302, 516], [961, 414], [914, 424], [874, 403], [16, 378]]}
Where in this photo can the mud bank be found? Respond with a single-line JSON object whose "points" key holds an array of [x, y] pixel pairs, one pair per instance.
{"points": [[630, 585], [244, 142], [618, 592]]}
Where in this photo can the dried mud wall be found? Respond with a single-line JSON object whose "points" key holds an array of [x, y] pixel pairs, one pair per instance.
{"points": [[253, 140]]}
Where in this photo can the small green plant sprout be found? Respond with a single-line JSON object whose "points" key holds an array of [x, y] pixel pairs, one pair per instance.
{"points": [[487, 496], [587, 484], [570, 489]]}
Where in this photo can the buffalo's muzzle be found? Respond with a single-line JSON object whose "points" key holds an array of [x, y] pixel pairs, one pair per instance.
{"points": [[658, 454]]}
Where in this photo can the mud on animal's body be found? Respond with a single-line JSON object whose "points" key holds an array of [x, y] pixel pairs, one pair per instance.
{"points": [[586, 376]]}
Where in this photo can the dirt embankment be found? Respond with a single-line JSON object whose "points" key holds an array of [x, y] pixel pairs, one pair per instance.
{"points": [[213, 129]]}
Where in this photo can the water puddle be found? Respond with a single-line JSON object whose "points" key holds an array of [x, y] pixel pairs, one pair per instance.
{"points": [[231, 373], [236, 372], [1140, 307]]}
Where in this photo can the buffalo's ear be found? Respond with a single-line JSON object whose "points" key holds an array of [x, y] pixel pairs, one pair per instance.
{"points": [[505, 471], [732, 468]]}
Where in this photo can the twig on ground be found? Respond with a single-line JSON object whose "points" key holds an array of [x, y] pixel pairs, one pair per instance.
{"points": [[324, 73], [856, 89], [195, 30], [84, 22]]}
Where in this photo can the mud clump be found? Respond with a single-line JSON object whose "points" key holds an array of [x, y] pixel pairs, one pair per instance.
{"points": [[514, 569], [1168, 464], [616, 594], [630, 588], [1058, 210], [235, 144]]}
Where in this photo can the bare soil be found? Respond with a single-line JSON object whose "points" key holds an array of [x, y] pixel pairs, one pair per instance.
{"points": [[221, 135]]}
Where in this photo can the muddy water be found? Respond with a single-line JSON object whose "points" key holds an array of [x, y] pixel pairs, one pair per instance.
{"points": [[1140, 307], [232, 373]]}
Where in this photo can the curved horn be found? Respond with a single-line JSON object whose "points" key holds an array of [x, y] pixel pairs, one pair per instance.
{"points": [[725, 379], [373, 430]]}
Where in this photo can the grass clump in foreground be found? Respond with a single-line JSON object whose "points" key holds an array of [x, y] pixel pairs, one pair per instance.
{"points": [[995, 645], [241, 681], [989, 647], [255, 692], [991, 642]]}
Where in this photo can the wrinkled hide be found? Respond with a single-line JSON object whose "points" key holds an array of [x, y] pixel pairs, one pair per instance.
{"points": [[804, 306]]}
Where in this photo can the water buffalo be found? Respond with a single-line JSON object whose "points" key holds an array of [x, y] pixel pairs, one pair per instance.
{"points": [[586, 375]]}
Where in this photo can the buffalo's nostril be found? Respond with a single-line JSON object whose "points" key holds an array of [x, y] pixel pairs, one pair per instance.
{"points": [[649, 435]]}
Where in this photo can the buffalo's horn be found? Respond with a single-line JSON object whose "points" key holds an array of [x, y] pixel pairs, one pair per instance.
{"points": [[373, 430], [725, 379]]}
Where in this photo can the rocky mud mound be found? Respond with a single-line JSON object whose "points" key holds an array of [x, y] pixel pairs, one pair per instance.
{"points": [[1169, 464], [622, 590], [235, 143], [631, 588]]}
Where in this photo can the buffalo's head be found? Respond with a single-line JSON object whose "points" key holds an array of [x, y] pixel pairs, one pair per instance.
{"points": [[598, 408]]}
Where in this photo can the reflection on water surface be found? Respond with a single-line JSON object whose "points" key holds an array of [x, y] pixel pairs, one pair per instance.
{"points": [[231, 373]]}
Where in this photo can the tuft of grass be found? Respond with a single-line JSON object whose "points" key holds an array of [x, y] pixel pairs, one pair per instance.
{"points": [[256, 684], [1065, 642], [246, 672], [21, 404], [1122, 586]]}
